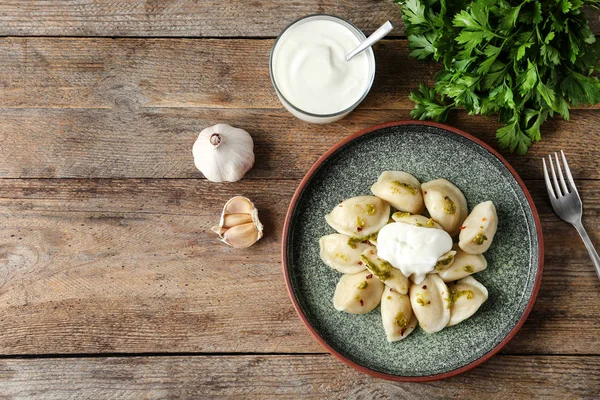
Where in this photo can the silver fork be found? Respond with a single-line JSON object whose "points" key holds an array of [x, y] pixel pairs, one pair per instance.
{"points": [[567, 203]]}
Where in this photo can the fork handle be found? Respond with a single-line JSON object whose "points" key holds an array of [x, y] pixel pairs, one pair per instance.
{"points": [[589, 246]]}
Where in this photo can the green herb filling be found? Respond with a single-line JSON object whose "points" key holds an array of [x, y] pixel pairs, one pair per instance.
{"points": [[480, 238], [449, 206], [409, 188]]}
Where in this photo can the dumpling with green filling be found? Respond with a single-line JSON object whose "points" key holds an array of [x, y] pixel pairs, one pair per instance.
{"points": [[445, 261], [357, 293], [359, 216], [384, 271], [397, 315], [342, 254], [446, 204], [466, 296], [464, 264], [478, 230], [401, 190], [416, 220], [429, 303]]}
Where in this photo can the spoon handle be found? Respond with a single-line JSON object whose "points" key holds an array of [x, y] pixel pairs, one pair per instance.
{"points": [[371, 40]]}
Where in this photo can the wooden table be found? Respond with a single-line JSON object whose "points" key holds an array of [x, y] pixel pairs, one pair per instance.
{"points": [[112, 284]]}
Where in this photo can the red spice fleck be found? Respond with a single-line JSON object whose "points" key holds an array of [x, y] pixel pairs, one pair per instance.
{"points": [[463, 227], [484, 219], [424, 286], [365, 242], [358, 229], [425, 192], [360, 263], [362, 303], [369, 276], [392, 289], [402, 331]]}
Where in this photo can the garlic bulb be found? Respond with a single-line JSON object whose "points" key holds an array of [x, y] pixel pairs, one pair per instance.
{"points": [[223, 153], [239, 225]]}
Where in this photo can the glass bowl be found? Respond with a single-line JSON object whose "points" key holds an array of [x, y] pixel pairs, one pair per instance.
{"points": [[323, 118]]}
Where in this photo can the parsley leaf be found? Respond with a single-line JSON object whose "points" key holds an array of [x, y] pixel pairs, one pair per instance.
{"points": [[422, 46], [512, 137], [528, 78], [428, 106], [414, 11]]}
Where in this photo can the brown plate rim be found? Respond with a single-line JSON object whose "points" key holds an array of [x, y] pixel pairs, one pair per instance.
{"points": [[323, 342]]}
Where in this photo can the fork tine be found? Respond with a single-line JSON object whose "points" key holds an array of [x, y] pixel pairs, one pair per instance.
{"points": [[554, 180], [563, 185], [547, 179], [568, 172]]}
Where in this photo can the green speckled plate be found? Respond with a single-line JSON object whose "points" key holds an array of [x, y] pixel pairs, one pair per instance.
{"points": [[427, 151]]}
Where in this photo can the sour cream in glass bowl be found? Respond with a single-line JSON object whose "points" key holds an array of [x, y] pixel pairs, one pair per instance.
{"points": [[310, 73]]}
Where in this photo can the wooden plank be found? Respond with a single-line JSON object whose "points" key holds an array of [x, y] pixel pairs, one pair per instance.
{"points": [[128, 74], [288, 377], [132, 73], [96, 266], [188, 18], [157, 143], [182, 18]]}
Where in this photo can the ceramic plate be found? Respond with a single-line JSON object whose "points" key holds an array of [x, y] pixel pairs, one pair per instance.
{"points": [[428, 151]]}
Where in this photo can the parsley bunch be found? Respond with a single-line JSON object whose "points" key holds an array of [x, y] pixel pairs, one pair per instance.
{"points": [[523, 60]]}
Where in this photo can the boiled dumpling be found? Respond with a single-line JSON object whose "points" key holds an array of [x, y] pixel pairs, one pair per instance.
{"points": [[428, 303], [397, 315], [416, 220], [464, 265], [478, 230], [357, 293], [384, 271], [359, 216], [445, 261], [401, 190], [466, 296], [341, 254], [446, 204]]}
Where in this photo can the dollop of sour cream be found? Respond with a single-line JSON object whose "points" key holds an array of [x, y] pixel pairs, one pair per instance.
{"points": [[311, 71], [414, 250]]}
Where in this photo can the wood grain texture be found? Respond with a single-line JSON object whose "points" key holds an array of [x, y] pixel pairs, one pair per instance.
{"points": [[288, 377], [182, 18], [143, 267], [188, 18], [131, 266], [103, 108], [96, 266], [157, 143], [128, 74]]}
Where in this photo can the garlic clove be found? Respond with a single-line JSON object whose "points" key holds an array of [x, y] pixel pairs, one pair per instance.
{"points": [[231, 220], [241, 236], [239, 225], [219, 230], [238, 205]]}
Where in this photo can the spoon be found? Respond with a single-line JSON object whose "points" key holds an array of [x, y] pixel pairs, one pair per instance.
{"points": [[375, 37]]}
